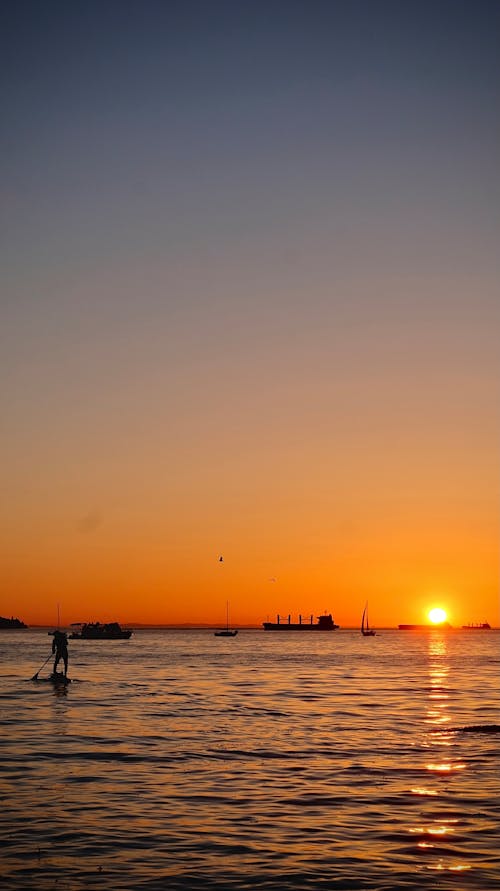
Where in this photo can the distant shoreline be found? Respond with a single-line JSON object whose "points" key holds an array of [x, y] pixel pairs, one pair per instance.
{"points": [[187, 626]]}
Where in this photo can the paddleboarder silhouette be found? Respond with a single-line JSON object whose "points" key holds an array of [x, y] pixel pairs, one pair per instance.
{"points": [[60, 648]]}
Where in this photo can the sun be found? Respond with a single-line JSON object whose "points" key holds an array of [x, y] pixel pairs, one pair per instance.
{"points": [[437, 615]]}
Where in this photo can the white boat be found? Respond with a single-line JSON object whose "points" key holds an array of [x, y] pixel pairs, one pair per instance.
{"points": [[366, 631]]}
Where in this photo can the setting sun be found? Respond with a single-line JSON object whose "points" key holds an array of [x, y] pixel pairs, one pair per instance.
{"points": [[437, 615]]}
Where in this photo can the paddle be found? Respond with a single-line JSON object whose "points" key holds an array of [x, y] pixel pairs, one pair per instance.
{"points": [[35, 676]]}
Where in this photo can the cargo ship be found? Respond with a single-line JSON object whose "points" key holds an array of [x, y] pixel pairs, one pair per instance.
{"points": [[477, 626], [324, 623]]}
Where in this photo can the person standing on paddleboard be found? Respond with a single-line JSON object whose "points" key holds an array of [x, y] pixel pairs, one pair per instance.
{"points": [[60, 648]]}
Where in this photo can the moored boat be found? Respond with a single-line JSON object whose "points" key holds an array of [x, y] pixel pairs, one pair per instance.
{"points": [[324, 623], [11, 623], [226, 632], [100, 631]]}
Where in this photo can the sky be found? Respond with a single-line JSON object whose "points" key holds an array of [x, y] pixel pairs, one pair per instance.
{"points": [[249, 309]]}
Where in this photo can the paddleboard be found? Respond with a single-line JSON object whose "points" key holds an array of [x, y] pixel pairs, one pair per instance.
{"points": [[54, 679], [59, 678]]}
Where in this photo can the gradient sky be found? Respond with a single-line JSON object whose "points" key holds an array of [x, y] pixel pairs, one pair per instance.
{"points": [[249, 307]]}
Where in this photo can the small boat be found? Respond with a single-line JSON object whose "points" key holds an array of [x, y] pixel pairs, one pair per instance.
{"points": [[11, 623], [324, 623], [226, 632], [366, 631], [98, 631]]}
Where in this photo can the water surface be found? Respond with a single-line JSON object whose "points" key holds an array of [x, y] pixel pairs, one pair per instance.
{"points": [[178, 760]]}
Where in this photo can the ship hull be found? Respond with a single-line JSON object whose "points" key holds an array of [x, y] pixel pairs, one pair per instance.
{"points": [[481, 626], [272, 626], [124, 635], [296, 626], [98, 631]]}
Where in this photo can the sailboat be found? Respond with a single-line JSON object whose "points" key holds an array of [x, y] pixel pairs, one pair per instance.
{"points": [[226, 632], [366, 631]]}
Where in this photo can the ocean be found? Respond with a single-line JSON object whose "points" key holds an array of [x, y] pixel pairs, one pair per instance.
{"points": [[180, 760]]}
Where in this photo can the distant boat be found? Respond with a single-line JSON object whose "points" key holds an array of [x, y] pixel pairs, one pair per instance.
{"points": [[226, 632], [98, 631], [324, 623], [366, 631], [11, 623], [477, 626]]}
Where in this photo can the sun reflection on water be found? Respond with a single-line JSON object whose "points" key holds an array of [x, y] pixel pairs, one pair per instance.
{"points": [[444, 767], [439, 669], [459, 867], [441, 827], [432, 830]]}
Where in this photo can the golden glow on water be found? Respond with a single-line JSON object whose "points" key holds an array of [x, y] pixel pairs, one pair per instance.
{"points": [[431, 830], [247, 757], [437, 718], [439, 830], [441, 867], [437, 645], [439, 693], [445, 767]]}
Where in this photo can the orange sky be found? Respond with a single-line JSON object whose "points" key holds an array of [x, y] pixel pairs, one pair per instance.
{"points": [[299, 532], [250, 310]]}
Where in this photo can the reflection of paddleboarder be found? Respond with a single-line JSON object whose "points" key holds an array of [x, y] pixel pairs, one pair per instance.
{"points": [[60, 648]]}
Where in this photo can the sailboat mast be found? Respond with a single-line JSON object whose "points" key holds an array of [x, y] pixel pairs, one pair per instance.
{"points": [[366, 631]]}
